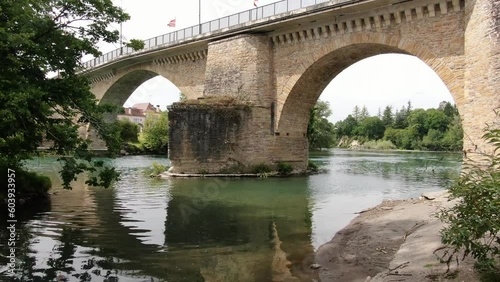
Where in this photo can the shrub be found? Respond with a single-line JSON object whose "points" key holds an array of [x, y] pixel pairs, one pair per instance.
{"points": [[284, 168], [261, 168], [32, 182], [28, 185], [474, 222], [312, 166], [128, 130], [379, 145], [158, 169]]}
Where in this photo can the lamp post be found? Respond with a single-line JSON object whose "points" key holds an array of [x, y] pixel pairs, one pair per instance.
{"points": [[121, 31], [199, 16]]}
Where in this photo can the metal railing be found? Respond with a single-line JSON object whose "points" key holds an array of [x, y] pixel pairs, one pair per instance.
{"points": [[211, 26]]}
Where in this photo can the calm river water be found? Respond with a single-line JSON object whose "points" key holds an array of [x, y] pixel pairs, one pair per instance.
{"points": [[147, 229]]}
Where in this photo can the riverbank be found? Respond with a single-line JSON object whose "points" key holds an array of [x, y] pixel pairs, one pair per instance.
{"points": [[397, 240]]}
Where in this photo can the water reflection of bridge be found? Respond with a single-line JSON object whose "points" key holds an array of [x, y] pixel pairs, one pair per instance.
{"points": [[213, 230]]}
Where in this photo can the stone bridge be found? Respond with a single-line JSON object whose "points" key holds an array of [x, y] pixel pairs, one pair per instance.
{"points": [[251, 86]]}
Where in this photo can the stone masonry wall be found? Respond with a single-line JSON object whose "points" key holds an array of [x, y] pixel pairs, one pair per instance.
{"points": [[238, 67], [204, 137], [482, 75]]}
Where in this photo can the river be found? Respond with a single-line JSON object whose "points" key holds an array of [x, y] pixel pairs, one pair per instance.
{"points": [[264, 229]]}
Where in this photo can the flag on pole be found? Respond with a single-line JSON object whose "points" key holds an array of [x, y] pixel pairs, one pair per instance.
{"points": [[171, 23], [255, 2]]}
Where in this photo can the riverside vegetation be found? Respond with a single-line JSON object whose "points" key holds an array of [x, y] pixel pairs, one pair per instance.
{"points": [[152, 140], [473, 224], [407, 128]]}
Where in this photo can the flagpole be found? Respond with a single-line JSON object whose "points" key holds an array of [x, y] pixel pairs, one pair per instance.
{"points": [[199, 15]]}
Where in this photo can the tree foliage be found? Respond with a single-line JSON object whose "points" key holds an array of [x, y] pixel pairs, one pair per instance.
{"points": [[372, 128], [411, 129], [136, 44], [473, 224], [387, 117], [320, 130], [155, 132], [129, 131], [37, 39]]}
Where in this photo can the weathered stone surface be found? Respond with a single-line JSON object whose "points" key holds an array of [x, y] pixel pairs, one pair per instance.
{"points": [[204, 137], [482, 73]]}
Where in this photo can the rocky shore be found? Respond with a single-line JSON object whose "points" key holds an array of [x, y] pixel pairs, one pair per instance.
{"points": [[394, 241]]}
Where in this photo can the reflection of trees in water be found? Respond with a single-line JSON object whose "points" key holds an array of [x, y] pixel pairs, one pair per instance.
{"points": [[60, 266], [234, 236]]}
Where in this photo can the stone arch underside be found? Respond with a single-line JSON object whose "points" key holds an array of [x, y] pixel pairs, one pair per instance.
{"points": [[302, 89], [113, 86], [121, 90]]}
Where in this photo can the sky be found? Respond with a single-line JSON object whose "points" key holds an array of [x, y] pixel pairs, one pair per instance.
{"points": [[375, 82]]}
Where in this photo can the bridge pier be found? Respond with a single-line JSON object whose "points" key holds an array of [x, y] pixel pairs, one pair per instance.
{"points": [[231, 128], [482, 78]]}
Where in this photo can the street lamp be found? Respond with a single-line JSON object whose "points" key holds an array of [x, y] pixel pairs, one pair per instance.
{"points": [[121, 31], [199, 16]]}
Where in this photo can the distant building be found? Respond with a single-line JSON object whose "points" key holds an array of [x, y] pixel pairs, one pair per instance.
{"points": [[138, 113]]}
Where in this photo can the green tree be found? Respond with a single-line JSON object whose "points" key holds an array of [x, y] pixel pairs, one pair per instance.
{"points": [[346, 127], [400, 118], [38, 38], [448, 109], [372, 128], [409, 108], [129, 131], [155, 132], [356, 113], [363, 114], [320, 131], [387, 116], [394, 135], [433, 140], [453, 137], [418, 121], [136, 44], [410, 138], [437, 119]]}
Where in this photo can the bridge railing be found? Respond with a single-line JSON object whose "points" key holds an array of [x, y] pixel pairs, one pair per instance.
{"points": [[172, 38]]}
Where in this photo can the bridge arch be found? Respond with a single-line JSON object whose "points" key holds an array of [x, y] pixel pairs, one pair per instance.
{"points": [[113, 85], [302, 89], [121, 90]]}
